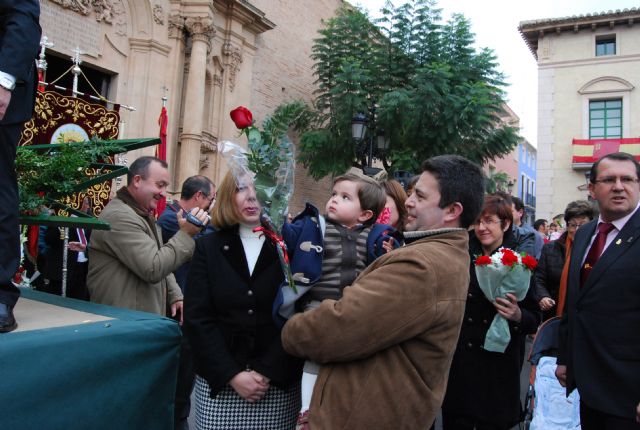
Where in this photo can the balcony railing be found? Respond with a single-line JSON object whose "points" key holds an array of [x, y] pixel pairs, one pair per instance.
{"points": [[530, 200], [588, 151]]}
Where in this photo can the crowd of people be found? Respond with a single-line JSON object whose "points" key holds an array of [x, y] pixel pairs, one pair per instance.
{"points": [[377, 311]]}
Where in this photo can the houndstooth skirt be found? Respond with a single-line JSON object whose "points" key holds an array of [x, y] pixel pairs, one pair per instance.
{"points": [[278, 409]]}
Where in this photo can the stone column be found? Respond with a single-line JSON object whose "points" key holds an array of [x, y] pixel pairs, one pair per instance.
{"points": [[201, 30]]}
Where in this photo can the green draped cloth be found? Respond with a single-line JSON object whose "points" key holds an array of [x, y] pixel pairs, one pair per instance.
{"points": [[115, 374]]}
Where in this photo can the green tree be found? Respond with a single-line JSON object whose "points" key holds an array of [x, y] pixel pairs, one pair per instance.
{"points": [[432, 92], [496, 181]]}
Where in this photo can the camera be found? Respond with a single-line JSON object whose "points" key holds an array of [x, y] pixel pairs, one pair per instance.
{"points": [[195, 221]]}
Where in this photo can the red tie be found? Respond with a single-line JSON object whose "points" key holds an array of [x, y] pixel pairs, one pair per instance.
{"points": [[81, 236], [596, 249]]}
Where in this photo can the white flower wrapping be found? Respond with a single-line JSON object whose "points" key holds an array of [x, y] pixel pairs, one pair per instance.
{"points": [[496, 280]]}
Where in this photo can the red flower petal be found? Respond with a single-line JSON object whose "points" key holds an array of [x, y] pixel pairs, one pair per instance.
{"points": [[241, 117], [483, 260], [529, 262]]}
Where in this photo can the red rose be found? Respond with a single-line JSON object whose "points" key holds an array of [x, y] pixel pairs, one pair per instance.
{"points": [[509, 258], [529, 262], [483, 260], [242, 117]]}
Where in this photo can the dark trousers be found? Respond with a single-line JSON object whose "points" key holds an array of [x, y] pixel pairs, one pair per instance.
{"points": [[593, 419], [452, 422], [184, 386], [9, 228]]}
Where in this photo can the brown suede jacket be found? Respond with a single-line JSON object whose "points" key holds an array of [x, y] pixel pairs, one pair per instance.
{"points": [[387, 344]]}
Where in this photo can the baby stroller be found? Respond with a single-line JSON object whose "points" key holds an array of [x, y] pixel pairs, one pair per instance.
{"points": [[547, 407]]}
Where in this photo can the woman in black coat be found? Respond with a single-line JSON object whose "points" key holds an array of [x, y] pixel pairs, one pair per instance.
{"points": [[484, 387], [245, 379], [552, 260]]}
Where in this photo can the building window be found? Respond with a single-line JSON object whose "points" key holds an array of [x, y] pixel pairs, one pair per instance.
{"points": [[605, 119], [606, 45]]}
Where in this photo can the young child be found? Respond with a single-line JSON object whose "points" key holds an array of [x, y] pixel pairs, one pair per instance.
{"points": [[327, 254]]}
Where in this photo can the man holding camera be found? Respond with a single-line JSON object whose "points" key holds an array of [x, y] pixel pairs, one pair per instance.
{"points": [[197, 192], [129, 266]]}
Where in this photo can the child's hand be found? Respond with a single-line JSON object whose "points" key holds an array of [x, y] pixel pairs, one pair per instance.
{"points": [[388, 244]]}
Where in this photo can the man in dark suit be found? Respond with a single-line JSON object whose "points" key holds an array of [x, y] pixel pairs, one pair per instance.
{"points": [[600, 331], [19, 39]]}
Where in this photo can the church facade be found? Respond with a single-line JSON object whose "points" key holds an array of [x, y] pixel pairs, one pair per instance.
{"points": [[204, 57]]}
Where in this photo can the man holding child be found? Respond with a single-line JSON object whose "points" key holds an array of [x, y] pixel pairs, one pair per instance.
{"points": [[386, 345]]}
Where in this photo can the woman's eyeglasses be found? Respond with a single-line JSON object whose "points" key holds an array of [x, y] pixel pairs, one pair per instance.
{"points": [[487, 222]]}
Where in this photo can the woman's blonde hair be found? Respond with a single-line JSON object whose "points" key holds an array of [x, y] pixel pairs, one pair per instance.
{"points": [[224, 213]]}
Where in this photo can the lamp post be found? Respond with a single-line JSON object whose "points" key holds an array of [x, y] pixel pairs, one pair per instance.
{"points": [[372, 141]]}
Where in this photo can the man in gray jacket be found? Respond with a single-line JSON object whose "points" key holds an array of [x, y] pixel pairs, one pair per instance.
{"points": [[129, 266]]}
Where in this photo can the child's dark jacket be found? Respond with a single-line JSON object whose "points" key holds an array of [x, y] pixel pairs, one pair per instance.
{"points": [[305, 244]]}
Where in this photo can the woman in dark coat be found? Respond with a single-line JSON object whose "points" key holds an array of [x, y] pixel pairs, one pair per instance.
{"points": [[548, 274], [245, 379], [484, 387]]}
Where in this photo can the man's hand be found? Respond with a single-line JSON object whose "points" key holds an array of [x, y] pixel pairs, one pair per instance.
{"points": [[176, 309], [561, 374], [187, 227], [77, 246], [508, 307], [546, 303], [249, 385], [5, 98]]}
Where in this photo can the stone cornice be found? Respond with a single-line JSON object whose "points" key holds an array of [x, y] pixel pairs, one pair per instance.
{"points": [[149, 45], [532, 31], [251, 18]]}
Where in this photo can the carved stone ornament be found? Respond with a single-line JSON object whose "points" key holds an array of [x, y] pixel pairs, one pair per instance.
{"points": [[200, 28], [176, 26], [105, 10], [234, 59], [158, 14], [204, 161]]}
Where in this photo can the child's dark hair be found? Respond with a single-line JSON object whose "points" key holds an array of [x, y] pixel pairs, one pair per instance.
{"points": [[370, 193]]}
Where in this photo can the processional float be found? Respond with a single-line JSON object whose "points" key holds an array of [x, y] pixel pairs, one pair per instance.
{"points": [[67, 122]]}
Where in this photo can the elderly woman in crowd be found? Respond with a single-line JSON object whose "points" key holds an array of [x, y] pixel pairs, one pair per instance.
{"points": [[550, 273], [484, 386], [245, 379]]}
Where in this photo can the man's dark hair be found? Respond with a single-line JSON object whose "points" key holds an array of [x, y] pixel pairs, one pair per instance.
{"points": [[141, 167], [517, 203], [539, 223], [193, 184], [617, 156], [459, 180]]}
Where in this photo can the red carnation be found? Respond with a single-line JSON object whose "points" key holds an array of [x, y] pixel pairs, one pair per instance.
{"points": [[242, 117], [509, 258], [483, 260], [529, 262]]}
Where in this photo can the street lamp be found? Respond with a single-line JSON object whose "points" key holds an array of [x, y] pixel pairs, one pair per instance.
{"points": [[363, 126]]}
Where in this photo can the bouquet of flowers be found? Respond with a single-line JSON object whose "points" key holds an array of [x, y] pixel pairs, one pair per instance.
{"points": [[501, 273], [269, 164]]}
